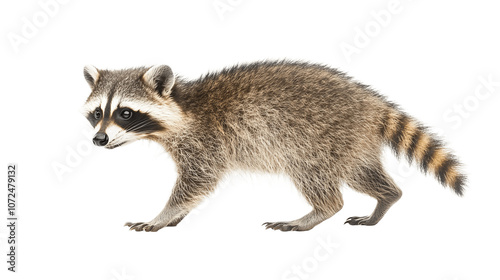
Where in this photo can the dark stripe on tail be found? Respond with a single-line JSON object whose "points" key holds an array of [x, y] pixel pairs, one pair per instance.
{"points": [[445, 168], [410, 153], [429, 153], [398, 135], [459, 184]]}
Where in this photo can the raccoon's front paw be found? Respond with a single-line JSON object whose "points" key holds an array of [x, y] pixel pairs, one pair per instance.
{"points": [[151, 226], [283, 226]]}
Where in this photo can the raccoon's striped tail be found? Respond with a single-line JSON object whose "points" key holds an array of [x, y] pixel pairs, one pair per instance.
{"points": [[407, 136]]}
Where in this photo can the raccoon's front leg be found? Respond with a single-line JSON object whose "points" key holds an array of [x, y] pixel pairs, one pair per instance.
{"points": [[188, 192]]}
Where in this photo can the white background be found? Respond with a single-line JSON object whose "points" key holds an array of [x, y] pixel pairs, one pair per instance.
{"points": [[429, 57]]}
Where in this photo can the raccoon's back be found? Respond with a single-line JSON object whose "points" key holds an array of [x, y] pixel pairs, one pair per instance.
{"points": [[274, 111], [295, 91]]}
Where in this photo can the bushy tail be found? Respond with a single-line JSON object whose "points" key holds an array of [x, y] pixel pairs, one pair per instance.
{"points": [[406, 136]]}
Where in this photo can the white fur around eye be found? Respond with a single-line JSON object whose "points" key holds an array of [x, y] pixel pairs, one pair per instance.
{"points": [[136, 105], [91, 105], [97, 127], [114, 104]]}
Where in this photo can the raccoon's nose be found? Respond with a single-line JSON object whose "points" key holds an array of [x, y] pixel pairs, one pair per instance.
{"points": [[100, 139]]}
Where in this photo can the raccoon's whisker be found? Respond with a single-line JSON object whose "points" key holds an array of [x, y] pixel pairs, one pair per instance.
{"points": [[132, 126], [138, 125], [117, 136]]}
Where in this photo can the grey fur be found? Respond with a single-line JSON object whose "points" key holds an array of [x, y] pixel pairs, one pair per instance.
{"points": [[307, 121]]}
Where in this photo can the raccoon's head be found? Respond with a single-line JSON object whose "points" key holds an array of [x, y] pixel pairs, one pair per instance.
{"points": [[131, 104]]}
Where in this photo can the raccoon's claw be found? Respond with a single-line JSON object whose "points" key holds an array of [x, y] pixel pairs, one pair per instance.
{"points": [[133, 225], [356, 221], [283, 226], [136, 226], [143, 226]]}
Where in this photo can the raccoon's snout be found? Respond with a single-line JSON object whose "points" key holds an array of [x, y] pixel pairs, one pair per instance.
{"points": [[100, 139]]}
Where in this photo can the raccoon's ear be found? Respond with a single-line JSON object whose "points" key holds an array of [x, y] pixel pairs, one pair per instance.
{"points": [[91, 75], [160, 78]]}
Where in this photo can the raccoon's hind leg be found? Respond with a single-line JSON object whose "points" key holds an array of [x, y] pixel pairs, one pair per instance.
{"points": [[375, 182], [321, 192]]}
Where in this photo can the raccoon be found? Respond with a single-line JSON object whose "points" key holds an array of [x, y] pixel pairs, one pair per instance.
{"points": [[308, 121]]}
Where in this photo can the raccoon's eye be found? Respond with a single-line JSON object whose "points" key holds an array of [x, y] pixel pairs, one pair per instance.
{"points": [[126, 114], [97, 113]]}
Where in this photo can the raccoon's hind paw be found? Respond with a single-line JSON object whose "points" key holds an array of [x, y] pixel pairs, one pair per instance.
{"points": [[364, 221], [144, 226]]}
